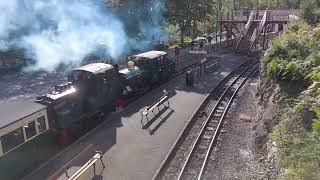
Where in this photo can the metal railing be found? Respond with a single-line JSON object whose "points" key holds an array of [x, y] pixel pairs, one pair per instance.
{"points": [[243, 33], [184, 60], [244, 15], [237, 15], [257, 32]]}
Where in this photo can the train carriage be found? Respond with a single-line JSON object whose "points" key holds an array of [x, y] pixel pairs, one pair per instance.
{"points": [[24, 137], [145, 71], [156, 65]]}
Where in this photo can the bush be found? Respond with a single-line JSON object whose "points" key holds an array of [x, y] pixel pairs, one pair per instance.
{"points": [[293, 62], [310, 11], [316, 121], [299, 147], [187, 39], [293, 56]]}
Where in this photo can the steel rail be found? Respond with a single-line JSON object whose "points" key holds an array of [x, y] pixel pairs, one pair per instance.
{"points": [[202, 131], [216, 134], [188, 127]]}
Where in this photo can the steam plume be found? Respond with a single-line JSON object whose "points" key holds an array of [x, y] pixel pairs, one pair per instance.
{"points": [[59, 31]]}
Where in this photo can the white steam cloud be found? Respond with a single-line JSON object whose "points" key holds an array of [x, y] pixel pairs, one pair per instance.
{"points": [[59, 31]]}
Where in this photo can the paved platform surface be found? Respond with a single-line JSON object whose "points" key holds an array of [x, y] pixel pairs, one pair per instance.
{"points": [[135, 150]]}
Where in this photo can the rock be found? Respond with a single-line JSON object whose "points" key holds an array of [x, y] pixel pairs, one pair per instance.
{"points": [[261, 159]]}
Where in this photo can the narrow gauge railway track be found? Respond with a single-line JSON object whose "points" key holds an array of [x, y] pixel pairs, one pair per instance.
{"points": [[190, 154]]}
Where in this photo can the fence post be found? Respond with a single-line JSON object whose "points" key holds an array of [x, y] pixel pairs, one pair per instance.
{"points": [[185, 58]]}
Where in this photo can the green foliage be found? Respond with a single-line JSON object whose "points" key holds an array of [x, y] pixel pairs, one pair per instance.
{"points": [[293, 57], [310, 11], [186, 14], [299, 147], [187, 39], [293, 61], [316, 121]]}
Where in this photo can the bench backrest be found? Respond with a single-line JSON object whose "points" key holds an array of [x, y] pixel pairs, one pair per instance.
{"points": [[165, 94]]}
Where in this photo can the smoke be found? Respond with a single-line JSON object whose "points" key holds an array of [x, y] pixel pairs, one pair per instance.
{"points": [[144, 23], [57, 31], [151, 28]]}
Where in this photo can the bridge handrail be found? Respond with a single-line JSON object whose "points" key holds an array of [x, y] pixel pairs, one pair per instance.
{"points": [[242, 15], [243, 33], [258, 30]]}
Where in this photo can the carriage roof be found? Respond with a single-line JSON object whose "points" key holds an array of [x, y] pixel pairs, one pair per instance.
{"points": [[95, 68], [151, 54], [15, 111]]}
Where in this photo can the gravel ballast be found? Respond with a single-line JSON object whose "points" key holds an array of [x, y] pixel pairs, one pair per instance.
{"points": [[234, 157]]}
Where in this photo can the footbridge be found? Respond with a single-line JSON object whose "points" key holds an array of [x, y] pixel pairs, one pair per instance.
{"points": [[252, 29]]}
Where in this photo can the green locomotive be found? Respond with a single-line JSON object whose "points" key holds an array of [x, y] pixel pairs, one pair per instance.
{"points": [[76, 107]]}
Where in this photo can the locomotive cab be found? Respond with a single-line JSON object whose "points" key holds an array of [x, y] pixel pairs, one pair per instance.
{"points": [[91, 89], [96, 83], [156, 65], [92, 79]]}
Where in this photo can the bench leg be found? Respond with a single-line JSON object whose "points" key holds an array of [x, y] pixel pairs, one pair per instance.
{"points": [[104, 166], [141, 118]]}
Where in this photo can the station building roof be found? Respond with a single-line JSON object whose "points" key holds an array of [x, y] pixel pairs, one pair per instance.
{"points": [[151, 54], [14, 111], [95, 68]]}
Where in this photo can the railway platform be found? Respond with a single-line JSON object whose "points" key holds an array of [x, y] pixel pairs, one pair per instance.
{"points": [[132, 148]]}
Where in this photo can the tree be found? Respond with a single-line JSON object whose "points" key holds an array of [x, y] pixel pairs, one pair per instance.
{"points": [[310, 11], [186, 13]]}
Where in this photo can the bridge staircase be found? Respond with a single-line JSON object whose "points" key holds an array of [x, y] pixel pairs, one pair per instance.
{"points": [[243, 39], [254, 40], [248, 27]]}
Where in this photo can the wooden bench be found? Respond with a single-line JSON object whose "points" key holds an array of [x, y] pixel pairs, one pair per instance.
{"points": [[156, 104], [210, 62], [80, 174]]}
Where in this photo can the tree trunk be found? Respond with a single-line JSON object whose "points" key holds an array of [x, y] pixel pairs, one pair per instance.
{"points": [[182, 31], [181, 37]]}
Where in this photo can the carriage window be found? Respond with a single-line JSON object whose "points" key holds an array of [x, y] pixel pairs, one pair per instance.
{"points": [[41, 124], [30, 129], [12, 140]]}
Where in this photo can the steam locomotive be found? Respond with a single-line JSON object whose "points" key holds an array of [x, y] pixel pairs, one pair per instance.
{"points": [[75, 107]]}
